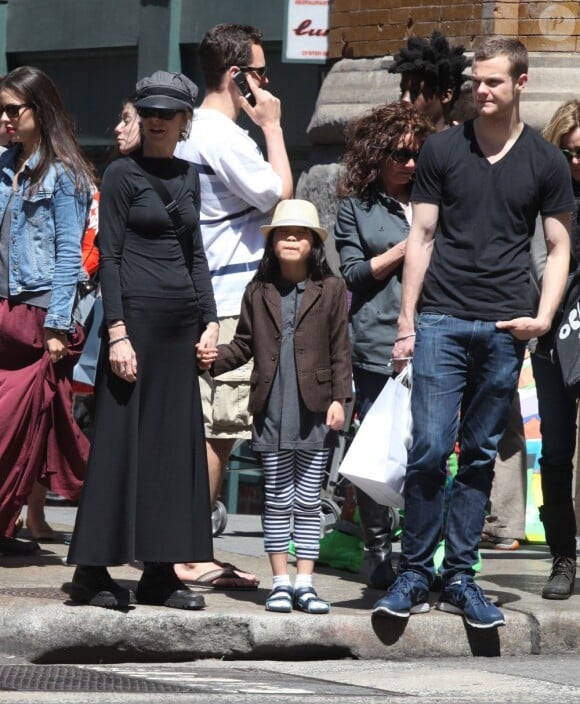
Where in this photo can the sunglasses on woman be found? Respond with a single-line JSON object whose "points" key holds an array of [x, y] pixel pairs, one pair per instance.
{"points": [[568, 153], [402, 156], [160, 113], [13, 110]]}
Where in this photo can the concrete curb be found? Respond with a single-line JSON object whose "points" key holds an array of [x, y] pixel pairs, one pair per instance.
{"points": [[38, 624], [63, 633]]}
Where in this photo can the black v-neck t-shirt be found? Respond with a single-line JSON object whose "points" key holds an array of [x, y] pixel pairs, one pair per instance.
{"points": [[480, 265]]}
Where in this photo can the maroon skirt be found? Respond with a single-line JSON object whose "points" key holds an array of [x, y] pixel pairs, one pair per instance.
{"points": [[39, 438]]}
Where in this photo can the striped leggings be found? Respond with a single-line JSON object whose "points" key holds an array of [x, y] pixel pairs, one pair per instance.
{"points": [[292, 490]]}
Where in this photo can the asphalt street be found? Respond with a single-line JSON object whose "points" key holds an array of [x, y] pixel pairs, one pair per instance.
{"points": [[528, 680]]}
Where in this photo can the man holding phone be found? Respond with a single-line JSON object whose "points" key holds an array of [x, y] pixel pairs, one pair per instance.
{"points": [[239, 187]]}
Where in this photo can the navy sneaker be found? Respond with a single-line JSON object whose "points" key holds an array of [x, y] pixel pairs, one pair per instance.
{"points": [[463, 596], [408, 595]]}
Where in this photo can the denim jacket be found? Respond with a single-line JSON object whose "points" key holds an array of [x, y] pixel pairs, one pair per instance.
{"points": [[362, 231], [45, 236]]}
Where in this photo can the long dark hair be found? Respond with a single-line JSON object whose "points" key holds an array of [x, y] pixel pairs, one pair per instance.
{"points": [[318, 267], [113, 153], [57, 133]]}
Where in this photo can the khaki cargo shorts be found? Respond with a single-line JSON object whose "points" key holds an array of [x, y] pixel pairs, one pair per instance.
{"points": [[224, 399]]}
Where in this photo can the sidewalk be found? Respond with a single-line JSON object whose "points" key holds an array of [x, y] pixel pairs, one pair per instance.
{"points": [[37, 623]]}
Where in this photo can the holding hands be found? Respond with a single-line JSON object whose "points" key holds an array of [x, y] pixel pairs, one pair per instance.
{"points": [[206, 348]]}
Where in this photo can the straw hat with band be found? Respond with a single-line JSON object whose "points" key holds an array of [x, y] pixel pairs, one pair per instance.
{"points": [[295, 213]]}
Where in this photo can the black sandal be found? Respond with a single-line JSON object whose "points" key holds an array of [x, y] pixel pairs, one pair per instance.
{"points": [[306, 599], [280, 599]]}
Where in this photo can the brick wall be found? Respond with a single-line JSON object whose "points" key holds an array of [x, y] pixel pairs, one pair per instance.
{"points": [[370, 28]]}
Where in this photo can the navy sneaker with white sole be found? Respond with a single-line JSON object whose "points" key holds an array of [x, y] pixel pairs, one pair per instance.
{"points": [[461, 595], [408, 595]]}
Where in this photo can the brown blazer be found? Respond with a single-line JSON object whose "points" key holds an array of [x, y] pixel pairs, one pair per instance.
{"points": [[321, 344]]}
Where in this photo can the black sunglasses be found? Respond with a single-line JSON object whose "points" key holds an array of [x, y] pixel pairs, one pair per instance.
{"points": [[12, 110], [161, 113], [568, 153], [402, 156], [260, 70]]}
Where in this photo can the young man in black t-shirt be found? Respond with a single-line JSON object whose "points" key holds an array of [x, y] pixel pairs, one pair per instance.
{"points": [[432, 79], [479, 187]]}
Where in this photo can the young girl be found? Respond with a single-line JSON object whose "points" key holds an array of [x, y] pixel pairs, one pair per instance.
{"points": [[294, 324]]}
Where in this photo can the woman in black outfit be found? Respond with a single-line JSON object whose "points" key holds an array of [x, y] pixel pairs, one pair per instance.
{"points": [[146, 495], [558, 410]]}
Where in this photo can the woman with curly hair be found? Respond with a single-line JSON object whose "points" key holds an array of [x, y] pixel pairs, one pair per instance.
{"points": [[371, 230], [557, 409]]}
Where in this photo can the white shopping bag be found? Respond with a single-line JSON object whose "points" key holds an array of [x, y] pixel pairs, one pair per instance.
{"points": [[376, 460]]}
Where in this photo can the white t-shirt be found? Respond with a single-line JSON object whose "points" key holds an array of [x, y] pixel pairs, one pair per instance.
{"points": [[238, 188]]}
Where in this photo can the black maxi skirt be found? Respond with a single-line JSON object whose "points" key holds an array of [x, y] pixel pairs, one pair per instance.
{"points": [[146, 493]]}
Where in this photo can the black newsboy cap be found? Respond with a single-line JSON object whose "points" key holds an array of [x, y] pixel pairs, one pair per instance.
{"points": [[165, 90]]}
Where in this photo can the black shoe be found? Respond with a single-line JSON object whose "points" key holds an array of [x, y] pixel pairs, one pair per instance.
{"points": [[560, 584], [160, 586], [12, 546], [95, 587], [381, 572]]}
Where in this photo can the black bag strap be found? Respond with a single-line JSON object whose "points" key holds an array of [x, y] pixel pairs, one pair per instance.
{"points": [[172, 208]]}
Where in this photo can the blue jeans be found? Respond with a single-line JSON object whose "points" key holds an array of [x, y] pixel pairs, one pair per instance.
{"points": [[466, 369]]}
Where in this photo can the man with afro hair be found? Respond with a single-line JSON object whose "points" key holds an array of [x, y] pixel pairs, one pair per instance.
{"points": [[431, 76]]}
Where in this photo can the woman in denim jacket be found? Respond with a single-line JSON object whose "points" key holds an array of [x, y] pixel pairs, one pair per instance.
{"points": [[45, 186], [372, 224]]}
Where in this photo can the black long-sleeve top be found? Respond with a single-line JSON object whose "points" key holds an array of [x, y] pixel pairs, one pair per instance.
{"points": [[140, 254]]}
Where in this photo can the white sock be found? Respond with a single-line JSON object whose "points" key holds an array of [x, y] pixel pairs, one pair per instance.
{"points": [[303, 580], [281, 580]]}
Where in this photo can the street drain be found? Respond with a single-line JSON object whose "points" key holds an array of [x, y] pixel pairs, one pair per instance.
{"points": [[62, 678]]}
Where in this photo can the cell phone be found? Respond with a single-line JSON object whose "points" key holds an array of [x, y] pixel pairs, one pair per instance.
{"points": [[244, 88]]}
